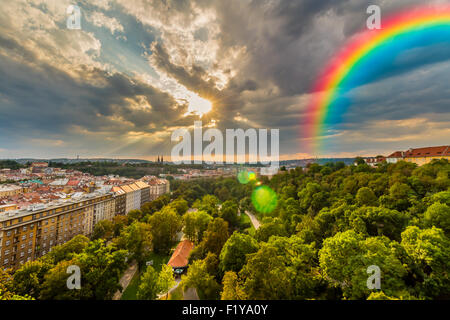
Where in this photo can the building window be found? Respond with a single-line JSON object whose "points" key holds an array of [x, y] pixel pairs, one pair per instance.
{"points": [[8, 242], [25, 228]]}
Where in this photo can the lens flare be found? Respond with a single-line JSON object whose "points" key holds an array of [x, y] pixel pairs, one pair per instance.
{"points": [[264, 199], [243, 177], [252, 176]]}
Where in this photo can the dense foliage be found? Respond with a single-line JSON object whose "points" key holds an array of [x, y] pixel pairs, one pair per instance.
{"points": [[330, 224]]}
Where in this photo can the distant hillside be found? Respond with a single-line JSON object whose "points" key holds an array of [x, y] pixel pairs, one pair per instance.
{"points": [[305, 162], [70, 161]]}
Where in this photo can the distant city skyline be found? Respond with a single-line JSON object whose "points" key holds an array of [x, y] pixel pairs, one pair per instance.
{"points": [[138, 70]]}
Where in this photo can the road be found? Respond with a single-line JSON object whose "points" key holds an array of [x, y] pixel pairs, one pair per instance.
{"points": [[256, 224]]}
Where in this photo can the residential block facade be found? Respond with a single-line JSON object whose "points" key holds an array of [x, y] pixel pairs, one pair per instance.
{"points": [[31, 232]]}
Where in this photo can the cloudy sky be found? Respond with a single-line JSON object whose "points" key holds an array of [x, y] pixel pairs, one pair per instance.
{"points": [[139, 69]]}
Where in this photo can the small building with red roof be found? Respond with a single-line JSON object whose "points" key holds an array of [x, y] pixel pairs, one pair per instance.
{"points": [[180, 257]]}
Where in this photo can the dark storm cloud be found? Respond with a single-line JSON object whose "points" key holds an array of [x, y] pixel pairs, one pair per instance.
{"points": [[41, 98]]}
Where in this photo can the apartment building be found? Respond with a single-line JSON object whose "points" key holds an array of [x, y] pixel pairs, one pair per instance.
{"points": [[145, 192], [420, 156], [136, 197], [104, 210], [137, 194], [121, 200], [8, 207], [9, 191], [129, 198], [28, 234], [158, 187]]}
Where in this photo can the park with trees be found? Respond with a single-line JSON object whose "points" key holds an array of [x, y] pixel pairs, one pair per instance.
{"points": [[330, 223]]}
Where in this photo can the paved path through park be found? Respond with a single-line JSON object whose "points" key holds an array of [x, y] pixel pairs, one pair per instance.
{"points": [[256, 224], [125, 280]]}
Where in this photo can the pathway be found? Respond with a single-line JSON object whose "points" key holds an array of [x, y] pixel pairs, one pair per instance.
{"points": [[190, 294], [166, 295], [256, 224], [125, 280]]}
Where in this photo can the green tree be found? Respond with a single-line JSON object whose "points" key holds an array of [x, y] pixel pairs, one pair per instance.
{"points": [[100, 267], [198, 277], [215, 236], [282, 268], [103, 230], [344, 260], [232, 288], [180, 205], [229, 213], [68, 250], [165, 279], [135, 215], [136, 238], [164, 226], [366, 197], [359, 161], [148, 288], [54, 286], [429, 251], [195, 224], [382, 221], [273, 228], [28, 279], [6, 291], [234, 252], [119, 223], [208, 204], [438, 215]]}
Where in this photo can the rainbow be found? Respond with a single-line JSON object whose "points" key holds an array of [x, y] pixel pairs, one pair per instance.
{"points": [[366, 57]]}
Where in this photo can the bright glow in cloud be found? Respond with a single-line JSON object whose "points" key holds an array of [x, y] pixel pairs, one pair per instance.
{"points": [[198, 105]]}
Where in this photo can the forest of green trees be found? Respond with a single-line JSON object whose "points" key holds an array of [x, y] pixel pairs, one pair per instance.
{"points": [[330, 224]]}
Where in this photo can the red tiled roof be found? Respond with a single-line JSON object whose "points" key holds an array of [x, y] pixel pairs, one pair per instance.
{"points": [[73, 183], [180, 257], [396, 154], [428, 152]]}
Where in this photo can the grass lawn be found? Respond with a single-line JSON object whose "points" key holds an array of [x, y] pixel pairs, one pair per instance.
{"points": [[158, 260], [176, 294], [131, 291], [244, 219]]}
